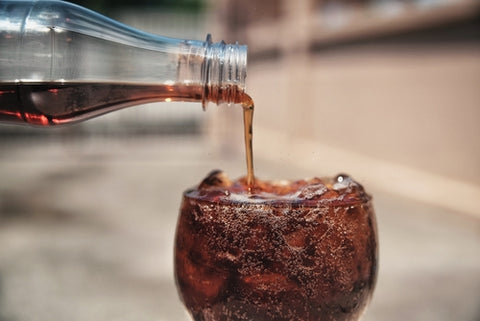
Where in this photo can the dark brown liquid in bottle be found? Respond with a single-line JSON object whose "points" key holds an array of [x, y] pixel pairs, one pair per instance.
{"points": [[56, 103]]}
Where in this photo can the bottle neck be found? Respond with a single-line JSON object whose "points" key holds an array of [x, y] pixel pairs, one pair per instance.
{"points": [[219, 67], [56, 41]]}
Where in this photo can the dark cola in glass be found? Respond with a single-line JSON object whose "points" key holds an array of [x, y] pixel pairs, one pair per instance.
{"points": [[288, 250]]}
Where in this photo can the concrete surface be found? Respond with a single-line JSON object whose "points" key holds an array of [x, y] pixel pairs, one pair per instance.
{"points": [[87, 227]]}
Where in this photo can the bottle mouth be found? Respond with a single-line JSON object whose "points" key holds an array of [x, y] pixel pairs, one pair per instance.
{"points": [[225, 71]]}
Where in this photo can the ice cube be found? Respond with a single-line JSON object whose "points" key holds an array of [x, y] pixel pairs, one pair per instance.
{"points": [[216, 178], [343, 181]]}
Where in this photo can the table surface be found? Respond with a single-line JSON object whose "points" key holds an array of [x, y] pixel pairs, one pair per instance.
{"points": [[87, 227]]}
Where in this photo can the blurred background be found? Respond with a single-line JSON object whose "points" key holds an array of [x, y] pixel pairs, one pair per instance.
{"points": [[385, 90]]}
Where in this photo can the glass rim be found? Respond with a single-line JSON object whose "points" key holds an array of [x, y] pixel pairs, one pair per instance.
{"points": [[277, 201]]}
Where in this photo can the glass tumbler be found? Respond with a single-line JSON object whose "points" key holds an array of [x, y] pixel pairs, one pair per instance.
{"points": [[288, 250]]}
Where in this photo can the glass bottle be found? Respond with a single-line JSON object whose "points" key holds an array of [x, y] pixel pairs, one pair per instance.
{"points": [[61, 63]]}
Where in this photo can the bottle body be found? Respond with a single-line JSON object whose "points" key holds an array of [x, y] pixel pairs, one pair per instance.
{"points": [[61, 63]]}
